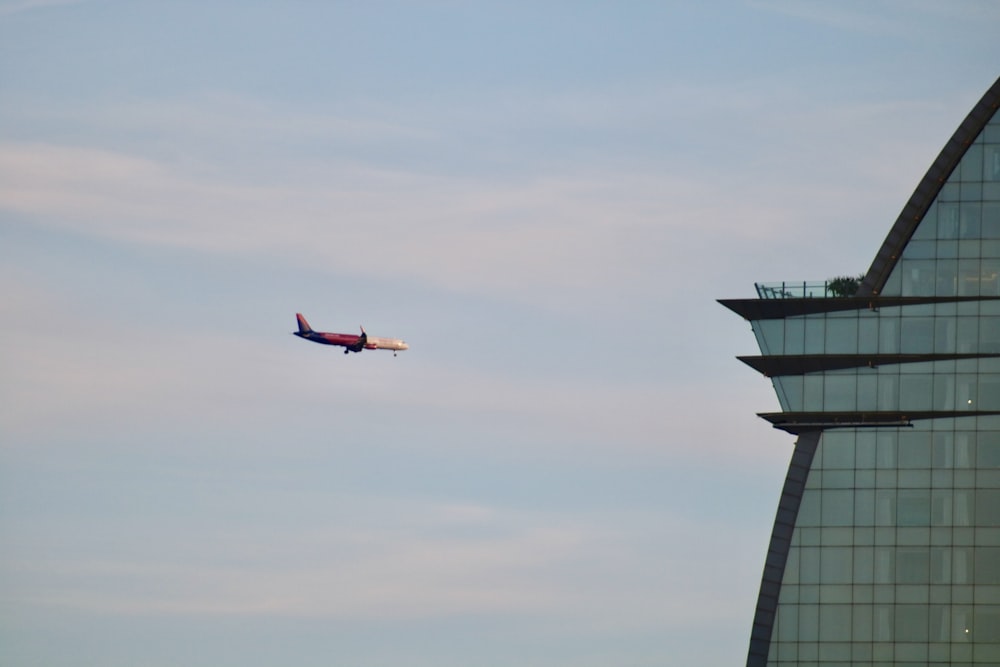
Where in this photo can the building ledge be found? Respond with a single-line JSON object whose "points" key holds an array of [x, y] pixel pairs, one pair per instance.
{"points": [[802, 422], [800, 364], [776, 309]]}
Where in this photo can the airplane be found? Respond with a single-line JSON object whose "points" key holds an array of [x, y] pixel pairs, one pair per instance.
{"points": [[350, 342]]}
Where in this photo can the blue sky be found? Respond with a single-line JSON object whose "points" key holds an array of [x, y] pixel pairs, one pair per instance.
{"points": [[543, 199]]}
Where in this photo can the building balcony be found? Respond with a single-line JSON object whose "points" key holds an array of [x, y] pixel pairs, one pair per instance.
{"points": [[796, 290]]}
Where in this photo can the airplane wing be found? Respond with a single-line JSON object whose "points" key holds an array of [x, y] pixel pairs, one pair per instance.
{"points": [[360, 343]]}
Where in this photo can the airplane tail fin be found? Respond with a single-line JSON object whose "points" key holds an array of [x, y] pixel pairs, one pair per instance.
{"points": [[303, 325]]}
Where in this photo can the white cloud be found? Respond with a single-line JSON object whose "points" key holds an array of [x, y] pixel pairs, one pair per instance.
{"points": [[19, 6], [587, 231], [98, 377], [412, 559], [521, 240], [85, 368], [880, 17], [569, 230]]}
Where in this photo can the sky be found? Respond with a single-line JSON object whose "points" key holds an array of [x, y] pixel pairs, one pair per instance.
{"points": [[543, 199]]}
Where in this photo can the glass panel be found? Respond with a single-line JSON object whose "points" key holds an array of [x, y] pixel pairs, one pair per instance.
{"points": [[913, 508], [961, 624], [885, 507], [988, 450], [963, 502], [944, 445], [836, 565], [808, 623], [794, 336], [940, 565], [840, 393], [864, 565], [812, 394], [788, 622], [947, 275], [867, 391], [808, 511], [911, 623], [769, 335], [944, 392], [987, 624], [944, 335], [888, 336], [970, 215], [967, 335], [838, 450], [989, 279], [837, 508], [991, 163], [916, 249], [962, 560], [914, 448], [864, 447], [941, 507], [947, 220], [882, 623], [918, 277], [989, 392], [815, 333], [991, 222], [940, 626], [835, 623], [864, 507], [988, 507], [841, 336], [913, 565], [888, 393], [916, 392], [968, 276], [789, 390], [987, 566], [971, 167], [918, 335], [965, 449], [867, 334]]}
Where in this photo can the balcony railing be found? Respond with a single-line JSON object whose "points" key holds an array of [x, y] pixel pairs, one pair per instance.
{"points": [[802, 290]]}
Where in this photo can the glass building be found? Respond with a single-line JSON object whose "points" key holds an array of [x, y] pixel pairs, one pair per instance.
{"points": [[886, 544]]}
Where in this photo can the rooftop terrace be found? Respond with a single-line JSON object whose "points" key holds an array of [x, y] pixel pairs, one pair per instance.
{"points": [[804, 290]]}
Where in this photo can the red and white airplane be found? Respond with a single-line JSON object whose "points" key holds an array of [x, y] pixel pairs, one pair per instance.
{"points": [[350, 342]]}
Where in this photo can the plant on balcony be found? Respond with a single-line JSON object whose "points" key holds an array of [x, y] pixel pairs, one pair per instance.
{"points": [[844, 285]]}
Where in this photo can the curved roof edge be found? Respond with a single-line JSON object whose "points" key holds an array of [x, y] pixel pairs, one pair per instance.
{"points": [[928, 189]]}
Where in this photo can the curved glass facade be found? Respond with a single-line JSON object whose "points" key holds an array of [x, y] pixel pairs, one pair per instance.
{"points": [[886, 546], [895, 556]]}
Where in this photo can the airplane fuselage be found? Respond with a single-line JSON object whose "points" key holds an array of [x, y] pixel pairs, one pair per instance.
{"points": [[350, 342]]}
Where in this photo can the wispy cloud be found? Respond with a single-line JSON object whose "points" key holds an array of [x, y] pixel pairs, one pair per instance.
{"points": [[564, 233], [413, 560], [883, 16], [586, 231], [20, 6], [106, 376]]}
